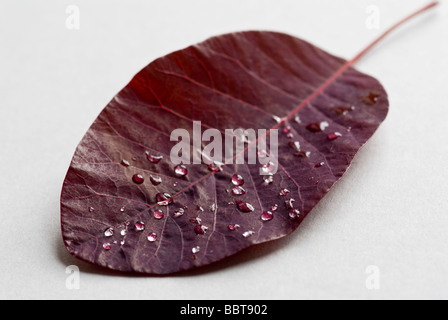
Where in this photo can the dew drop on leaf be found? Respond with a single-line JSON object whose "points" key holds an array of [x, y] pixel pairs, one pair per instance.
{"points": [[158, 214], [200, 229], [140, 226], [238, 191], [164, 199], [290, 203], [267, 216], [152, 237], [107, 246], [245, 206], [237, 180], [284, 192], [179, 213], [155, 180], [234, 227], [248, 234], [196, 250], [334, 135], [153, 158], [138, 179], [181, 170], [294, 214], [125, 163], [109, 232]]}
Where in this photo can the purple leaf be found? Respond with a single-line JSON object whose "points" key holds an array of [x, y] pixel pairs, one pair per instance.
{"points": [[126, 207]]}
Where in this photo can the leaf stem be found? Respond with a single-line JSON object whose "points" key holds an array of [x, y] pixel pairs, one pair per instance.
{"points": [[391, 29]]}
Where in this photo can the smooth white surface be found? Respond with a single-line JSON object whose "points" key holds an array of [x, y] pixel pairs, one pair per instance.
{"points": [[389, 211]]}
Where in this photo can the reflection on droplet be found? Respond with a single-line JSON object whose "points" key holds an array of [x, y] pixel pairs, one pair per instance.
{"points": [[153, 158], [215, 167], [267, 216], [334, 135], [196, 249], [274, 207], [125, 163], [199, 208], [124, 232], [277, 119], [239, 191], [91, 209], [234, 227], [140, 226], [179, 213], [156, 180], [164, 199], [122, 242], [318, 126], [284, 192], [248, 234], [138, 179], [158, 214], [294, 214], [245, 206], [109, 232], [175, 184], [297, 119], [152, 237], [319, 165], [196, 220], [237, 180], [200, 229], [213, 207], [287, 129], [268, 180], [298, 150], [290, 203], [107, 246], [268, 168], [181, 170]]}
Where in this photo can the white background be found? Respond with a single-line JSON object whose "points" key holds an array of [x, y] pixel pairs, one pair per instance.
{"points": [[390, 210]]}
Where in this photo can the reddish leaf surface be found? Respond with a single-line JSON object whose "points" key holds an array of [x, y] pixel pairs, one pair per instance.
{"points": [[325, 111]]}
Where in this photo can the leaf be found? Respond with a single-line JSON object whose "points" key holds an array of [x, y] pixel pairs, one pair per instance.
{"points": [[126, 207]]}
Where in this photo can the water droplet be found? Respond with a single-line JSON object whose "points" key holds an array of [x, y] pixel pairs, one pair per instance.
{"points": [[124, 232], [107, 246], [125, 163], [262, 154], [138, 179], [290, 203], [239, 191], [175, 184], [153, 158], [140, 226], [199, 208], [290, 136], [319, 165], [134, 158], [371, 99], [318, 126], [284, 192], [181, 170], [287, 129], [109, 232], [122, 209], [156, 180], [213, 207], [234, 227], [158, 214], [215, 167], [268, 168], [196, 220], [248, 234], [245, 206], [122, 242], [343, 110], [200, 229], [298, 151], [268, 180], [164, 199], [334, 136], [267, 216], [237, 180], [297, 119], [277, 119], [91, 209], [179, 213], [294, 214], [275, 207], [196, 250], [152, 237]]}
